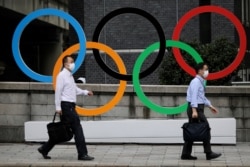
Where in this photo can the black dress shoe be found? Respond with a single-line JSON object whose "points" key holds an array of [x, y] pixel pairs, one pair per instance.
{"points": [[188, 157], [86, 158], [45, 156], [213, 155]]}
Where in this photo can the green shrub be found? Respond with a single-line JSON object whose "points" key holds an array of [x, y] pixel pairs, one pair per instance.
{"points": [[217, 54]]}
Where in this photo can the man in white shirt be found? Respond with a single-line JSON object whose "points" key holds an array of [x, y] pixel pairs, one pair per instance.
{"points": [[65, 99]]}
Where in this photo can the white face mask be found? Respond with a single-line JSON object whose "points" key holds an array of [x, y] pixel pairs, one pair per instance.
{"points": [[72, 66], [205, 74]]}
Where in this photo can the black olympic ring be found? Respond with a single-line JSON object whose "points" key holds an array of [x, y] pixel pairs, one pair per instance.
{"points": [[159, 30]]}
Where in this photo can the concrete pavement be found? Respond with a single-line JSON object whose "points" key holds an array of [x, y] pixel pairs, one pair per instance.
{"points": [[26, 155]]}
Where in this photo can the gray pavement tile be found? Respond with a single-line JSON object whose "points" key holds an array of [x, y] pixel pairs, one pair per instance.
{"points": [[246, 163], [186, 163], [202, 164], [108, 156], [122, 155]]}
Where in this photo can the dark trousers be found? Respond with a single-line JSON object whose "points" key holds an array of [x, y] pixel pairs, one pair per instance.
{"points": [[187, 148], [70, 116]]}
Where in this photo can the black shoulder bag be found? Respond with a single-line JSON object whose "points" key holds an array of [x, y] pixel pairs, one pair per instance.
{"points": [[196, 131], [59, 131]]}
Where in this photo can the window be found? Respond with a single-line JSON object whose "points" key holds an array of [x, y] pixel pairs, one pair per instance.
{"points": [[245, 14]]}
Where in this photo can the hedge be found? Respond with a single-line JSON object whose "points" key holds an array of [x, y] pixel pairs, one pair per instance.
{"points": [[217, 54]]}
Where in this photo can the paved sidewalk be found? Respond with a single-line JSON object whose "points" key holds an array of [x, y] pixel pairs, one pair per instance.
{"points": [[122, 155]]}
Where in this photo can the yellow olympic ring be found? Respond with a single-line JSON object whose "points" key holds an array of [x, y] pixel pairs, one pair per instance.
{"points": [[120, 65]]}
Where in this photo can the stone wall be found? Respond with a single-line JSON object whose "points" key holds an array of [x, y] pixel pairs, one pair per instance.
{"points": [[21, 102]]}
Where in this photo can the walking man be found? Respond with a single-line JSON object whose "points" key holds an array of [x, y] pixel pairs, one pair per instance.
{"points": [[65, 99], [196, 102]]}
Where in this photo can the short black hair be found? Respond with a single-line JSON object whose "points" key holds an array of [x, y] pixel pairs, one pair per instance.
{"points": [[65, 59], [199, 66]]}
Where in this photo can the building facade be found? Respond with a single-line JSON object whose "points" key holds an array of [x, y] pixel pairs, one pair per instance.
{"points": [[44, 39], [41, 41], [129, 34]]}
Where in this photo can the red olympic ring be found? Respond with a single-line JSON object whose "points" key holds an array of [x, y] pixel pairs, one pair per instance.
{"points": [[232, 18]]}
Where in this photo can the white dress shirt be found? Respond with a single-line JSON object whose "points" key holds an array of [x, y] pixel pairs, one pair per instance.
{"points": [[66, 89], [196, 92]]}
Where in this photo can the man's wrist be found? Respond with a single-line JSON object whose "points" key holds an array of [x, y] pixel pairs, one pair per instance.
{"points": [[194, 109], [58, 109]]}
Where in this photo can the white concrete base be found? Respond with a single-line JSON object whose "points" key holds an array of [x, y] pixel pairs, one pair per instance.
{"points": [[223, 131]]}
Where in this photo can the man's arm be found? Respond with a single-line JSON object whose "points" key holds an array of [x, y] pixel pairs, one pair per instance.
{"points": [[194, 98], [83, 92], [212, 108], [207, 102], [58, 93]]}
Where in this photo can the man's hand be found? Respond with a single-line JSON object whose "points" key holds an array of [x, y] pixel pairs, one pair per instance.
{"points": [[194, 113], [90, 93], [59, 112], [213, 109]]}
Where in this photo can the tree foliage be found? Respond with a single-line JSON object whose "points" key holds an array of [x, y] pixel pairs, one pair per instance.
{"points": [[217, 54]]}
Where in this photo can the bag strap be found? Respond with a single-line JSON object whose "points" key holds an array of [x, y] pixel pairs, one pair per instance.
{"points": [[54, 117], [202, 83]]}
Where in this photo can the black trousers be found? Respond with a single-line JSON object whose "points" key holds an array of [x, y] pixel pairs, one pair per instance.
{"points": [[187, 148], [70, 116]]}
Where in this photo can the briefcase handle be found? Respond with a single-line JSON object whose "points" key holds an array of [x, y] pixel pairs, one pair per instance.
{"points": [[54, 118]]}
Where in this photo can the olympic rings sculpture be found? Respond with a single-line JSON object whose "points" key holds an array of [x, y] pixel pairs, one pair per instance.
{"points": [[122, 75]]}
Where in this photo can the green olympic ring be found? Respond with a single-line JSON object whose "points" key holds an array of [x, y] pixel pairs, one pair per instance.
{"points": [[136, 70]]}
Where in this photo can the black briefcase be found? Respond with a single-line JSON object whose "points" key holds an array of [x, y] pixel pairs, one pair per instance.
{"points": [[196, 131], [59, 132]]}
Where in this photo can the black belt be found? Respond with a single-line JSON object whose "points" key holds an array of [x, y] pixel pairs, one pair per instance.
{"points": [[67, 102], [199, 105]]}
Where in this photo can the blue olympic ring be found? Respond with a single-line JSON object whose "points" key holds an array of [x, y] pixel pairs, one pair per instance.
{"points": [[25, 21]]}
